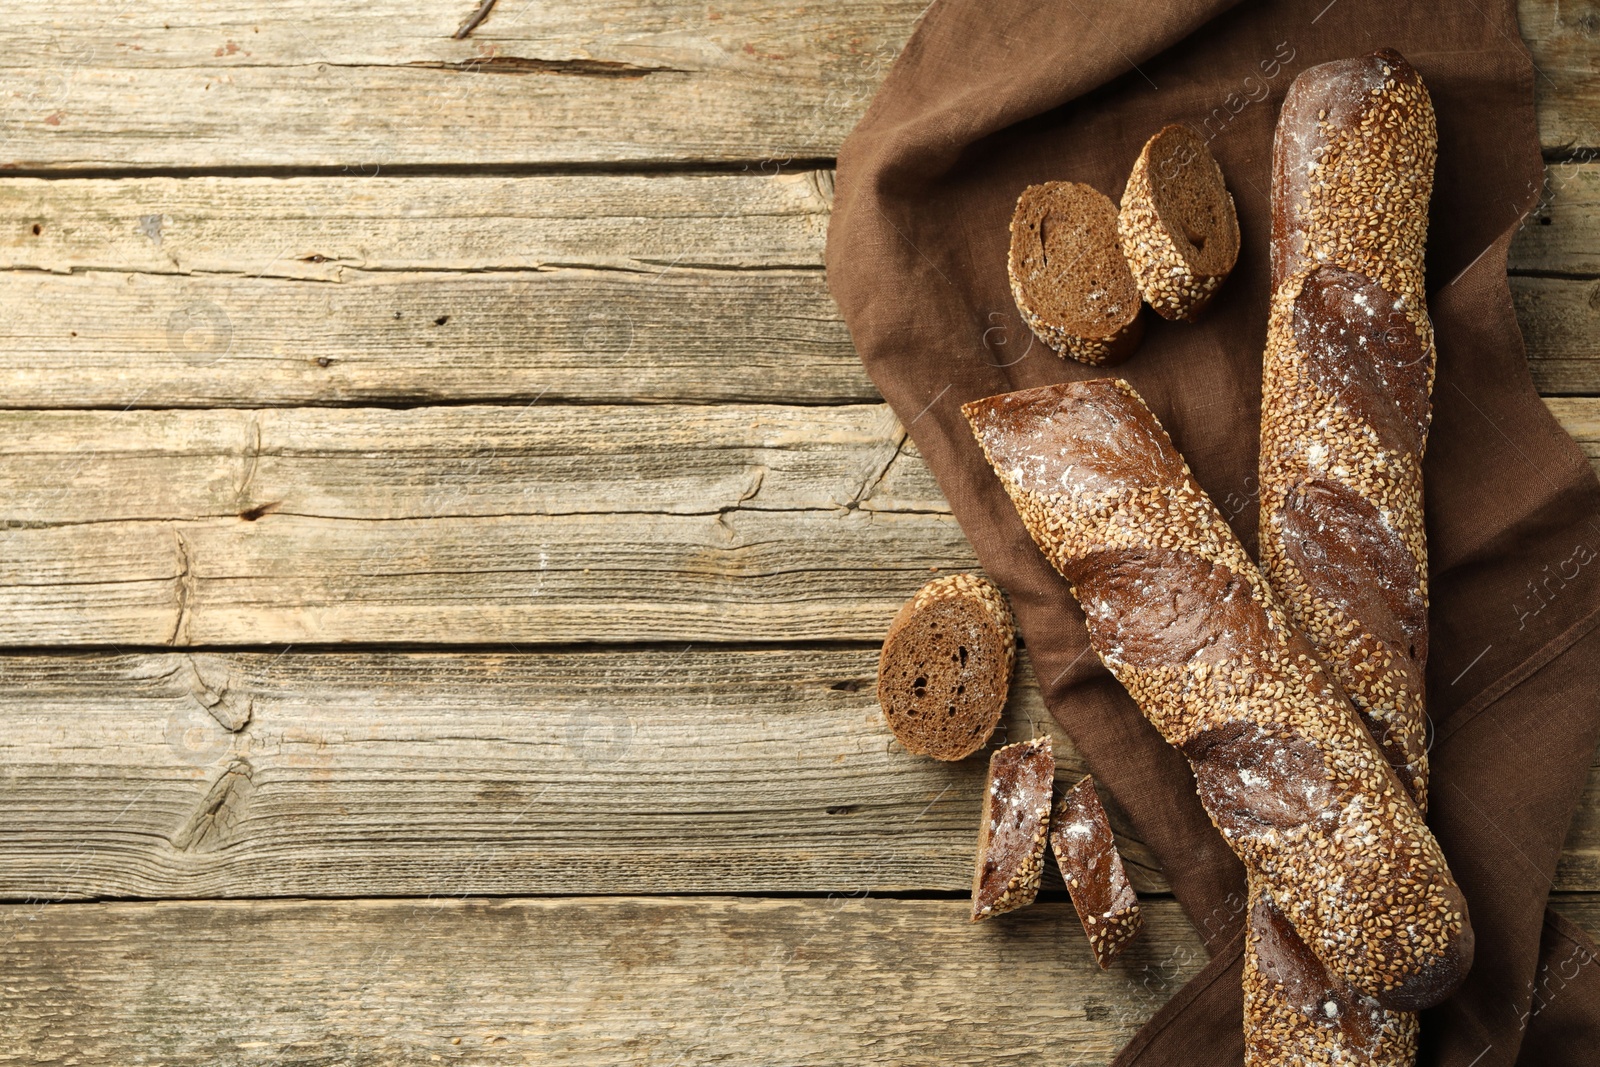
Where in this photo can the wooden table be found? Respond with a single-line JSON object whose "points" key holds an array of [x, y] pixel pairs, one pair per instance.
{"points": [[446, 533]]}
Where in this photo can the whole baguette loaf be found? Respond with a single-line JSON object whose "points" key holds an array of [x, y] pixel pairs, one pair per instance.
{"points": [[1347, 378], [1184, 619]]}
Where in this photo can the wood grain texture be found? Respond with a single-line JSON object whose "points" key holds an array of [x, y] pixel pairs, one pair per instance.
{"points": [[536, 523], [713, 980], [196, 292], [1560, 319], [165, 84], [224, 84], [241, 292], [288, 773], [505, 772]]}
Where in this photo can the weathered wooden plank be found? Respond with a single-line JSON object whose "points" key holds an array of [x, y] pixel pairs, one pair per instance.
{"points": [[261, 774], [322, 228], [444, 774], [537, 523], [713, 980], [1566, 56], [319, 290], [166, 84], [469, 524], [624, 81], [102, 339], [1562, 233]]}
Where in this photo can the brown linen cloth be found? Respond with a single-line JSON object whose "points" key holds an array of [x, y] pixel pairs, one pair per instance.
{"points": [[991, 96]]}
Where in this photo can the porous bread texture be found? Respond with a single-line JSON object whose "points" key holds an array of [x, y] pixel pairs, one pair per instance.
{"points": [[1015, 827], [1177, 224], [1086, 852], [1068, 276], [1183, 618], [945, 668]]}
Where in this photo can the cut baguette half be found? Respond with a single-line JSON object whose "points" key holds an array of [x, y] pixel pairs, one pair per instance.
{"points": [[1069, 278]]}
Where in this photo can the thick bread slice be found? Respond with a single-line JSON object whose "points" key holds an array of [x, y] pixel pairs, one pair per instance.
{"points": [[1080, 836], [945, 668], [1178, 227], [1068, 276], [1016, 823]]}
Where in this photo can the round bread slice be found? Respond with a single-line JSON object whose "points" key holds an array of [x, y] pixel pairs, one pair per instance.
{"points": [[946, 667], [1068, 275], [1178, 227]]}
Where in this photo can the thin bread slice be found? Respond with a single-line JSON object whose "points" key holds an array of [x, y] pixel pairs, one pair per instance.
{"points": [[1178, 226], [946, 665], [1015, 828], [1068, 275], [1080, 836]]}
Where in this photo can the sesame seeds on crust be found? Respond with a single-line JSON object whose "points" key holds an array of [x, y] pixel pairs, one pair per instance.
{"points": [[1173, 282], [1102, 491]]}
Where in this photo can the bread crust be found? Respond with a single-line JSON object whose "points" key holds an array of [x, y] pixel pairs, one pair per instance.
{"points": [[1015, 828], [1172, 283], [1347, 379], [1183, 618], [1086, 852], [1029, 277]]}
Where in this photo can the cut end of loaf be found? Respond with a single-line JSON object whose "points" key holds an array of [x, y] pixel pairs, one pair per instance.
{"points": [[1080, 837], [1178, 227], [945, 669], [1015, 827], [1069, 278]]}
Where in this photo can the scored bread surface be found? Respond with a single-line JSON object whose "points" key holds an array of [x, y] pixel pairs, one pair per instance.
{"points": [[1183, 618], [946, 664], [1347, 376], [1014, 829], [1068, 276], [1178, 227]]}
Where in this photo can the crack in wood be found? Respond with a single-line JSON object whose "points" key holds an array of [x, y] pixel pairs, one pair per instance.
{"points": [[583, 68], [185, 590], [208, 826], [232, 711]]}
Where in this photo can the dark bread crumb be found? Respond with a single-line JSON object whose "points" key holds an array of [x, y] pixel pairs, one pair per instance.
{"points": [[1068, 276], [1016, 822], [946, 665], [1080, 836], [1178, 226]]}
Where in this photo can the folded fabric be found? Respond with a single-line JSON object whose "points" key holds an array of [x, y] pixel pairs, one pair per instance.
{"points": [[990, 97]]}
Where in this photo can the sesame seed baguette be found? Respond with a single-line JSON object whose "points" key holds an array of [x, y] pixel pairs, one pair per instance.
{"points": [[1347, 378], [1183, 618], [1014, 829]]}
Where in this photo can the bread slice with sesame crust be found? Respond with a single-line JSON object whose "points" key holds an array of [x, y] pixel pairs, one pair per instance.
{"points": [[1068, 276], [1015, 827], [1178, 226], [1080, 836], [945, 669]]}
